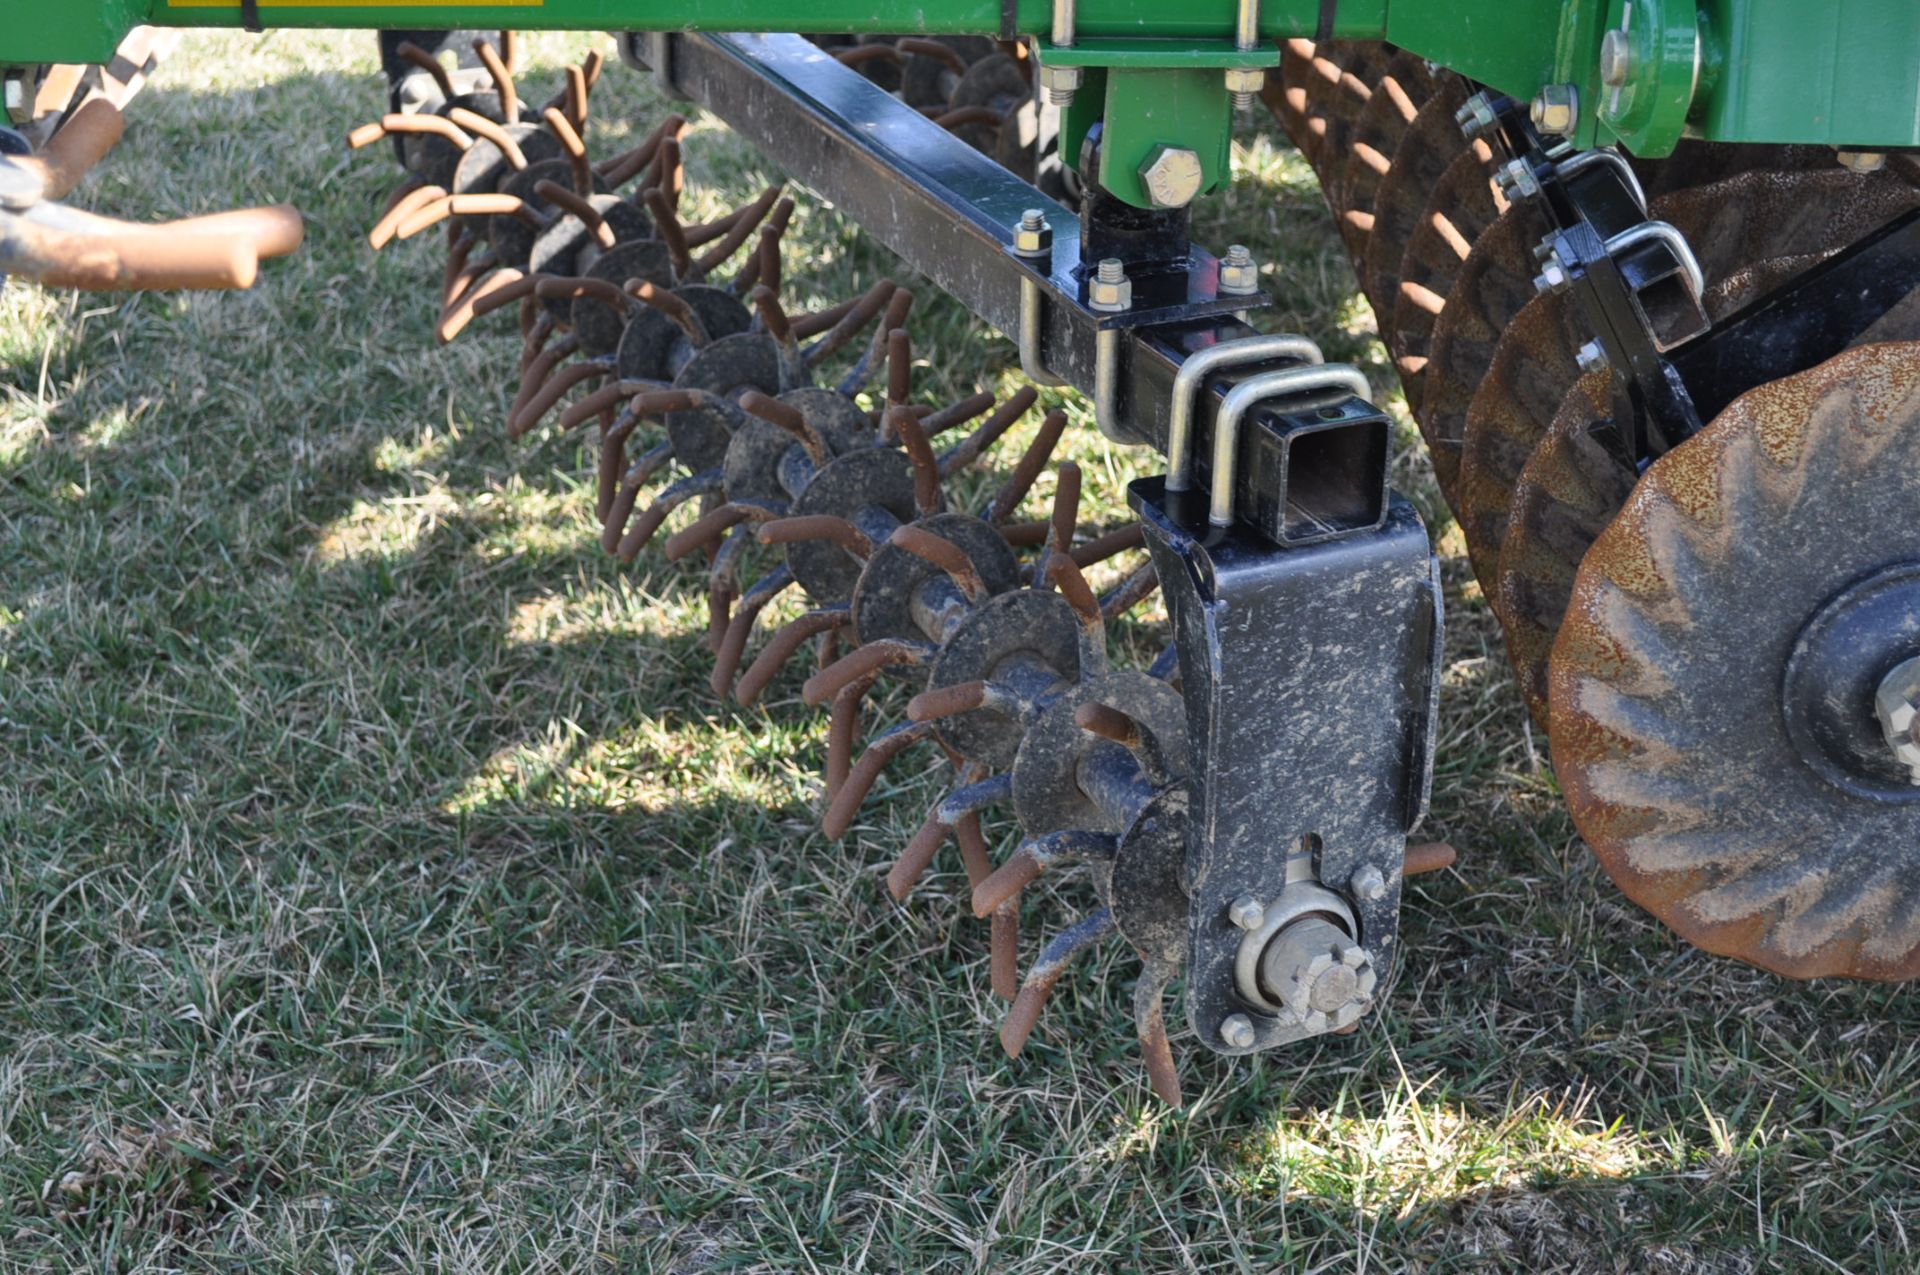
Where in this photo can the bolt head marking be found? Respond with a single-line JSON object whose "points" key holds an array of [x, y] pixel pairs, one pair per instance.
{"points": [[1172, 176]]}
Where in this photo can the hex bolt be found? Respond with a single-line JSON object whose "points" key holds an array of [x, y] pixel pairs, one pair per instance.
{"points": [[1061, 83], [1033, 237], [1616, 58], [1237, 1031], [1897, 704], [1246, 912], [1556, 109], [1111, 292], [1591, 357], [1368, 884], [1172, 176], [1552, 276], [1475, 116], [1239, 272]]}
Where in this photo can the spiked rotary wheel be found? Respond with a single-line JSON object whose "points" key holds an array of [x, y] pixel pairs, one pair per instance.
{"points": [[1733, 691]]}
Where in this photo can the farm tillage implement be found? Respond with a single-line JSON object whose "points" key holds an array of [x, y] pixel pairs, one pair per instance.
{"points": [[1646, 269]]}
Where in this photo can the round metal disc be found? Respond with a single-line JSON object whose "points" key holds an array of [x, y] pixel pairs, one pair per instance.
{"points": [[997, 82], [1670, 735], [1377, 135], [601, 326], [1148, 887], [721, 313], [483, 167], [512, 238], [878, 476], [1036, 623], [726, 368], [646, 346], [1459, 208], [883, 598], [1402, 194], [567, 248]]}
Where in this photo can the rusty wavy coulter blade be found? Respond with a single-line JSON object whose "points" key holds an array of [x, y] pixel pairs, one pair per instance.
{"points": [[1708, 802]]}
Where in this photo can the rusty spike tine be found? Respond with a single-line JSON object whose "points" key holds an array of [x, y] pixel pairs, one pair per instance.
{"points": [[915, 858], [820, 320], [926, 470], [733, 646], [430, 64], [940, 420], [558, 287], [947, 701], [899, 367], [1003, 948], [962, 116], [1428, 856], [1021, 481], [673, 306], [1066, 508], [613, 458], [704, 483], [481, 126], [1025, 535], [502, 76], [567, 201], [613, 524], [577, 97], [1111, 724], [860, 54], [969, 448], [974, 797], [551, 393], [1149, 1017], [1046, 971], [459, 312], [539, 370], [400, 192], [668, 171], [510, 49], [843, 721], [898, 305], [723, 586], [502, 289], [943, 554], [456, 277], [857, 316], [708, 527], [789, 418], [569, 138], [643, 398], [667, 226], [767, 253], [438, 125], [859, 781], [411, 199], [939, 52], [786, 640], [624, 167], [746, 221], [536, 329], [1038, 855], [817, 527], [860, 662], [1130, 593], [774, 320], [1106, 545], [1064, 576], [366, 135]]}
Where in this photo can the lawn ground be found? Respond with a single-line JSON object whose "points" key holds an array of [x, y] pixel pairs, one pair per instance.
{"points": [[382, 890]]}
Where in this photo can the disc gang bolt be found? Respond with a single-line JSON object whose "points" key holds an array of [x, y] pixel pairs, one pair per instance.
{"points": [[1861, 161], [1516, 177], [1172, 176], [1552, 276], [1237, 1031], [1244, 84], [1061, 83], [1246, 912], [1591, 357]]}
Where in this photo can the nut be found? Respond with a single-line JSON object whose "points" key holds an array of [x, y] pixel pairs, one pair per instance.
{"points": [[1897, 703], [1060, 82], [1861, 161], [1239, 272], [1591, 357], [1616, 58], [1246, 912], [1475, 116], [1368, 884], [1552, 276], [1237, 1031], [1516, 177], [1245, 80], [1556, 109], [1033, 237], [1172, 176], [1110, 291], [1322, 976]]}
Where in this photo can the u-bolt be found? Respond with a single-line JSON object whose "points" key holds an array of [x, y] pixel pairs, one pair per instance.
{"points": [[1242, 397], [1659, 231], [1192, 377]]}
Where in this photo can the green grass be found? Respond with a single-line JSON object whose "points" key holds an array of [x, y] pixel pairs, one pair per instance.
{"points": [[381, 889]]}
